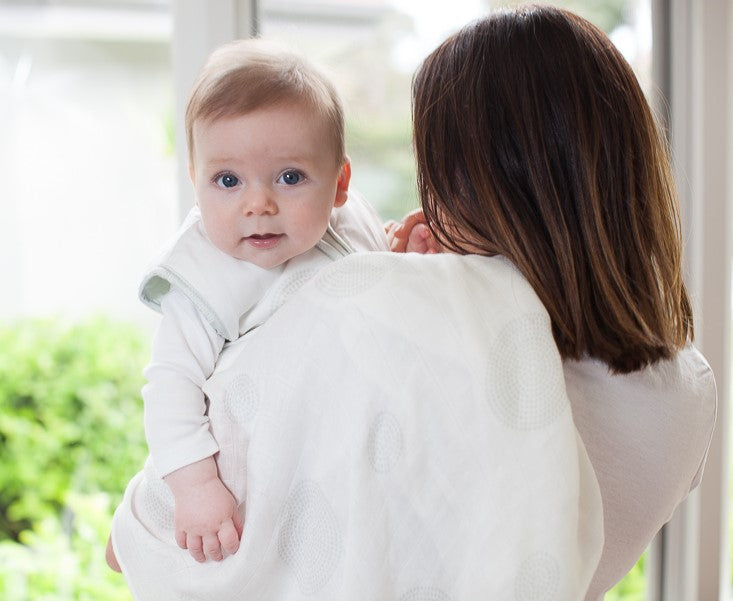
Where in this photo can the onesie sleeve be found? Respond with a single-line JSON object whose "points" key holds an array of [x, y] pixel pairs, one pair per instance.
{"points": [[185, 350]]}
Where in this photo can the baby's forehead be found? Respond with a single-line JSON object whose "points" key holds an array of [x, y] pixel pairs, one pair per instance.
{"points": [[300, 111], [293, 129]]}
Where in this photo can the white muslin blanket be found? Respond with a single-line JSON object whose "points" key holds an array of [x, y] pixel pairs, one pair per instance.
{"points": [[398, 430]]}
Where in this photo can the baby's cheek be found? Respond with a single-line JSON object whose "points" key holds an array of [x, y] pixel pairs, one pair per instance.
{"points": [[222, 234]]}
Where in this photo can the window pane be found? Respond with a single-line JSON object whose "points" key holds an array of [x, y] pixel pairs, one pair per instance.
{"points": [[87, 179], [373, 48]]}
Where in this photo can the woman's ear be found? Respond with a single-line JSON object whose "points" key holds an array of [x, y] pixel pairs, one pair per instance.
{"points": [[342, 185]]}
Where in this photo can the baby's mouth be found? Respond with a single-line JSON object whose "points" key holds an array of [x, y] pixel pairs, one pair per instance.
{"points": [[267, 240]]}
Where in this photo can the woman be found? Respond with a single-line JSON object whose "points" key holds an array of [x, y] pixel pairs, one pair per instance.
{"points": [[404, 420], [534, 141]]}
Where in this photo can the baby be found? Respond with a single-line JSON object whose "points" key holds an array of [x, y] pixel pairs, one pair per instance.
{"points": [[265, 135]]}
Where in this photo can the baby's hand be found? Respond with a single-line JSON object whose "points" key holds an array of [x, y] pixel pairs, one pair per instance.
{"points": [[411, 235], [206, 519]]}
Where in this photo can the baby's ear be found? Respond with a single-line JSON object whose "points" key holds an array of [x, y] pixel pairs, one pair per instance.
{"points": [[342, 185]]}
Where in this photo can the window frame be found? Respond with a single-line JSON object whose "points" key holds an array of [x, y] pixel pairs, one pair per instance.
{"points": [[693, 70], [200, 26]]}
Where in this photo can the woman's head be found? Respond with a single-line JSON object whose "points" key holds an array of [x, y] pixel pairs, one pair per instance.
{"points": [[534, 141]]}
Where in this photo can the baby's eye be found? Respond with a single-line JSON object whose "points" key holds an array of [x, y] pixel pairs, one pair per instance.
{"points": [[291, 178], [227, 180]]}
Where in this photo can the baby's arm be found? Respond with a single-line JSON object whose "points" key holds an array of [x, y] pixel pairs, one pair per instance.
{"points": [[412, 234], [185, 350]]}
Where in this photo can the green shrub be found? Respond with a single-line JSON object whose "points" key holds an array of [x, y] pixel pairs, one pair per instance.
{"points": [[632, 587], [71, 436]]}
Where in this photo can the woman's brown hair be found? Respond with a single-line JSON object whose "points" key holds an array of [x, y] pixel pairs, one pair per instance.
{"points": [[534, 141]]}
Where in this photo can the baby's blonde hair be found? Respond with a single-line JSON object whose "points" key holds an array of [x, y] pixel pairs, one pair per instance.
{"points": [[245, 75]]}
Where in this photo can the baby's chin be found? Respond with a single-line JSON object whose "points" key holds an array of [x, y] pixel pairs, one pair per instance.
{"points": [[265, 259], [264, 262], [269, 252]]}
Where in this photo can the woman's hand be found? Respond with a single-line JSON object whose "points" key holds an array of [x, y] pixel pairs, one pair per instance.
{"points": [[207, 522], [412, 234]]}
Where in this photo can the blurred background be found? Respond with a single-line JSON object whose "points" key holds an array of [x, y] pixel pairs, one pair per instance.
{"points": [[90, 186], [89, 180]]}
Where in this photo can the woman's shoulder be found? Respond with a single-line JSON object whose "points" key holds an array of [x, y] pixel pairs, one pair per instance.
{"points": [[488, 279], [437, 298], [647, 434], [685, 382], [661, 417]]}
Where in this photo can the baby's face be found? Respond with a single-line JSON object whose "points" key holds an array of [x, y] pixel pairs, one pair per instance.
{"points": [[266, 182]]}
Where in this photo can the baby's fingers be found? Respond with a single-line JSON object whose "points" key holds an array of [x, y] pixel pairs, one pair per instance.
{"points": [[238, 523], [212, 547], [229, 538], [195, 546], [412, 219], [181, 539], [395, 241], [421, 239]]}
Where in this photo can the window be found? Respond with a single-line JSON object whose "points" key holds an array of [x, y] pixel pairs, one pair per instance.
{"points": [[88, 176], [88, 169], [372, 49]]}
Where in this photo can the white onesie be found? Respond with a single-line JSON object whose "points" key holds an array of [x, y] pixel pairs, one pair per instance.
{"points": [[208, 299]]}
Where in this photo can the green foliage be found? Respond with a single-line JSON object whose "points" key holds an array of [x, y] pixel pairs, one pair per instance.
{"points": [[169, 133], [71, 437], [61, 561], [632, 587]]}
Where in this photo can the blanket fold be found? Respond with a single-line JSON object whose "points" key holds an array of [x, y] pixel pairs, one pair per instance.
{"points": [[399, 429]]}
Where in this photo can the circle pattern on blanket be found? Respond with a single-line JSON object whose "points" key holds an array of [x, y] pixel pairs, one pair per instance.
{"points": [[385, 442], [425, 593], [538, 578], [158, 503], [241, 398], [351, 277], [290, 285], [309, 540], [524, 377]]}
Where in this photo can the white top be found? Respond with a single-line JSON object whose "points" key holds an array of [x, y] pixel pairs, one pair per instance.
{"points": [[208, 299], [647, 435]]}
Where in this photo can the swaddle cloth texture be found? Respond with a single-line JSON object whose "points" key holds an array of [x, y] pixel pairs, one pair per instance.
{"points": [[398, 430]]}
